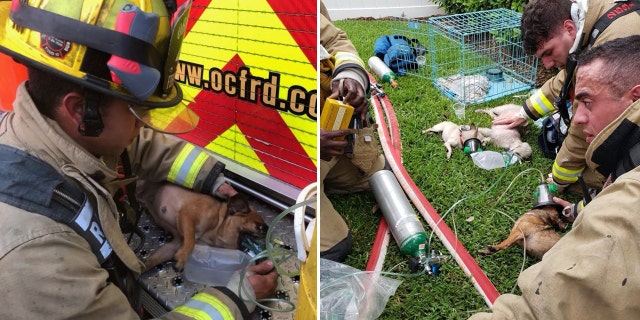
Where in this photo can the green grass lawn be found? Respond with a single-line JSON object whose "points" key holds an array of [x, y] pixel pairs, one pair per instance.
{"points": [[484, 216]]}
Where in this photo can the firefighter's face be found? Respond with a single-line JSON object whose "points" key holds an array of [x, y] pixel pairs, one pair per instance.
{"points": [[597, 106], [554, 52]]}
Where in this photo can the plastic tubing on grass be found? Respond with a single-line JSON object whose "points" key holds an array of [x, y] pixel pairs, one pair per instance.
{"points": [[279, 256]]}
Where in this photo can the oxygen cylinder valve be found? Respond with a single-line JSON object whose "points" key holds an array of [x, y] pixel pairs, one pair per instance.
{"points": [[418, 261], [435, 261], [430, 264], [414, 265]]}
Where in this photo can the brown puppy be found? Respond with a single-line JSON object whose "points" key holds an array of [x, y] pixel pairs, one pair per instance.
{"points": [[536, 228], [194, 217], [454, 135]]}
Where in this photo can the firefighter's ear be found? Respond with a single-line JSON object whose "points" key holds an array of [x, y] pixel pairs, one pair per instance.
{"points": [[72, 107], [635, 92], [570, 27]]}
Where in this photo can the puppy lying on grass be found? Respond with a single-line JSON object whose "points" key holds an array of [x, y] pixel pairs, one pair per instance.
{"points": [[193, 217], [500, 110], [503, 137], [508, 139], [454, 135], [535, 230]]}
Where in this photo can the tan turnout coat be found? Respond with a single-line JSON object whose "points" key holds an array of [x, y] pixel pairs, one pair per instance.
{"points": [[47, 270], [570, 160], [593, 271]]}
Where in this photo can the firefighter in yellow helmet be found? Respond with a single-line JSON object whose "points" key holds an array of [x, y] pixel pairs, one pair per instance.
{"points": [[100, 95]]}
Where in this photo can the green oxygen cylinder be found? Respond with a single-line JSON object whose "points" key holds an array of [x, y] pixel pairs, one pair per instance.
{"points": [[382, 71], [403, 222]]}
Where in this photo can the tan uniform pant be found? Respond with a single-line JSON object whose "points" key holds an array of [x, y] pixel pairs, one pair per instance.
{"points": [[339, 176]]}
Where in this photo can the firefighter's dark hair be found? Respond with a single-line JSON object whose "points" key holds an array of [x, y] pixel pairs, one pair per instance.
{"points": [[47, 90], [541, 19], [622, 59]]}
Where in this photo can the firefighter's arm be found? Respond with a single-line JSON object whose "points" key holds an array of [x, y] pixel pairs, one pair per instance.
{"points": [[211, 303], [158, 157], [349, 68], [235, 300], [332, 38], [570, 160], [540, 103], [512, 120], [570, 211], [506, 307]]}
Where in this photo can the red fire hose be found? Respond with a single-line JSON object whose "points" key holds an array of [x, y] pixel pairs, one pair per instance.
{"points": [[389, 135]]}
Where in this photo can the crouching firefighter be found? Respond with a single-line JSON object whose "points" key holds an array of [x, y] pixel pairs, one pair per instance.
{"points": [[100, 95], [557, 31]]}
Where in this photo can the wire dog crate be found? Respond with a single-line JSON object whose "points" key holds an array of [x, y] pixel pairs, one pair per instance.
{"points": [[416, 32], [472, 57]]}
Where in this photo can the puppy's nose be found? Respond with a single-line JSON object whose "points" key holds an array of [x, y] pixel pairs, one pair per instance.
{"points": [[262, 227]]}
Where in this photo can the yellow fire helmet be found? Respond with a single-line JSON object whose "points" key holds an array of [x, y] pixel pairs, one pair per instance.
{"points": [[126, 49]]}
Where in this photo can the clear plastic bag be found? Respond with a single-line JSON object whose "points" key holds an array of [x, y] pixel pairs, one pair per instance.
{"points": [[349, 293], [490, 160], [214, 266]]}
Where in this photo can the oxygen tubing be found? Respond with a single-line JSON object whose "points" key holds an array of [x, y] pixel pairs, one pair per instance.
{"points": [[277, 256], [392, 148]]}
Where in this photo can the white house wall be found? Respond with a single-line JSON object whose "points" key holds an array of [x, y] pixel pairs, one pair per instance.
{"points": [[341, 9]]}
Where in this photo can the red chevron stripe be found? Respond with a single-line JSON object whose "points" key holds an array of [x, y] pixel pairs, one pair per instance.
{"points": [[270, 137], [302, 26]]}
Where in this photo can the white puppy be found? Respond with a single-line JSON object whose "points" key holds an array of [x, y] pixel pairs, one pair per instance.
{"points": [[509, 139], [454, 135], [503, 137], [501, 110]]}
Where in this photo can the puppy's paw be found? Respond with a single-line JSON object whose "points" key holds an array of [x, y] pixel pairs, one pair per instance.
{"points": [[179, 262], [178, 267], [561, 224], [489, 251]]}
